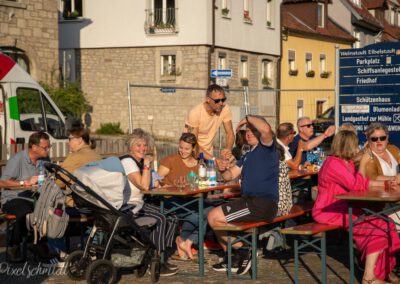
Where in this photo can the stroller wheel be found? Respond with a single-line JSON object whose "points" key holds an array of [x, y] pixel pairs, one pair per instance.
{"points": [[101, 271], [140, 271], [76, 265], [155, 270]]}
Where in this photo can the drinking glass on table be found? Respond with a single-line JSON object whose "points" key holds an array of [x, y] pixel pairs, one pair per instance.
{"points": [[180, 182]]}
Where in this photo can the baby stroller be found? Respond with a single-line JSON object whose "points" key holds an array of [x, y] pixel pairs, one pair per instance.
{"points": [[118, 237]]}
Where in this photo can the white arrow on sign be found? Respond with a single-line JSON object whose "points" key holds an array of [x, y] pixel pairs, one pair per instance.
{"points": [[226, 73]]}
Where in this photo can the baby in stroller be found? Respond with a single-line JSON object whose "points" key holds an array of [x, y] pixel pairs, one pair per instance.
{"points": [[119, 237]]}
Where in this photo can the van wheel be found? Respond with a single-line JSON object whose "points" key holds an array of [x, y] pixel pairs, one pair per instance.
{"points": [[76, 265], [101, 271]]}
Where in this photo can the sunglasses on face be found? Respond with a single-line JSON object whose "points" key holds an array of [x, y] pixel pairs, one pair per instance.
{"points": [[375, 139], [217, 101], [307, 125]]}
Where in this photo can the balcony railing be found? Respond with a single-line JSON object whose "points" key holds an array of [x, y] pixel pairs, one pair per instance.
{"points": [[161, 21]]}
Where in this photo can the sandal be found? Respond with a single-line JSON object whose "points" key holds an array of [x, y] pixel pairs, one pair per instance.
{"points": [[372, 281], [180, 257]]}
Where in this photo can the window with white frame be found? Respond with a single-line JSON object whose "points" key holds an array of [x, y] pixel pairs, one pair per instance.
{"points": [[300, 108], [168, 65], [357, 2], [322, 63], [266, 72], [357, 43], [392, 16], [72, 9], [226, 8], [270, 12], [308, 62], [292, 60], [321, 15], [222, 60], [247, 11]]}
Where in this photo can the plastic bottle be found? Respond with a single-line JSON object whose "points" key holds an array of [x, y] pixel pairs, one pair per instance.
{"points": [[212, 179], [41, 174], [58, 211], [202, 171]]}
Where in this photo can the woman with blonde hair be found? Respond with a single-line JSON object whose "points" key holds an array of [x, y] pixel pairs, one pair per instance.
{"points": [[137, 168], [338, 175]]}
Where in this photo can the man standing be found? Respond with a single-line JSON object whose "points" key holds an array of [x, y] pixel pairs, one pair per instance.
{"points": [[306, 134], [259, 171], [285, 135], [204, 120], [22, 171]]}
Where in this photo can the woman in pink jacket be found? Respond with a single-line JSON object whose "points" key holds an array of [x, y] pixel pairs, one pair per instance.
{"points": [[338, 175]]}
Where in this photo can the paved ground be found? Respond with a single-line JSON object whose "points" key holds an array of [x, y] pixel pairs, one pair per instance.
{"points": [[271, 269]]}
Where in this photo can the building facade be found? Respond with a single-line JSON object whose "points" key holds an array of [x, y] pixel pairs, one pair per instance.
{"points": [[104, 45], [29, 34], [309, 42]]}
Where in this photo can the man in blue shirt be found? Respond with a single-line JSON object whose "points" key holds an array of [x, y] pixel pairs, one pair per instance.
{"points": [[259, 171]]}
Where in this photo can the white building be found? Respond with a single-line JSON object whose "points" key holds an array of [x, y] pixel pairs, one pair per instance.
{"points": [[104, 44]]}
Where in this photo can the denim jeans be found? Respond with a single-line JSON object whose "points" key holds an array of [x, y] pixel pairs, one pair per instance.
{"points": [[190, 226]]}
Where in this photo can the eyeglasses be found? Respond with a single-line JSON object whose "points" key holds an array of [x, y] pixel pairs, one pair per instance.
{"points": [[307, 125], [72, 137], [293, 132], [375, 139], [217, 101], [45, 148]]}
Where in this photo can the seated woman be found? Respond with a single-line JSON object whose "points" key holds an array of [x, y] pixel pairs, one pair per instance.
{"points": [[383, 158], [338, 175], [171, 167], [81, 152], [137, 168]]}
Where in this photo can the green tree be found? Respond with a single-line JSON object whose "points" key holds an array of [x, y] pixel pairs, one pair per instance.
{"points": [[69, 98]]}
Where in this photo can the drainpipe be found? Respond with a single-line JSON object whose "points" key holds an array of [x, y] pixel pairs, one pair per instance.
{"points": [[279, 68], [212, 47]]}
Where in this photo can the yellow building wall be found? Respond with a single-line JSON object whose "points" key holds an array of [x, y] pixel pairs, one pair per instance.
{"points": [[300, 87]]}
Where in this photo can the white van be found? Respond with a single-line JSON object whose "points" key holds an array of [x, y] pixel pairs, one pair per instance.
{"points": [[25, 107]]}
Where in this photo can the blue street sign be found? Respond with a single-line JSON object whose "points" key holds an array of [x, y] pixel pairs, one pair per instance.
{"points": [[369, 87], [168, 90], [221, 73]]}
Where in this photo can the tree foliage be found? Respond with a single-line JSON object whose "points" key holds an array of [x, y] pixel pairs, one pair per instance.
{"points": [[69, 98]]}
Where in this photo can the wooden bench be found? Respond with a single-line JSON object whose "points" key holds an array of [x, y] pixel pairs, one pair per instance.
{"points": [[251, 230], [318, 232], [224, 195]]}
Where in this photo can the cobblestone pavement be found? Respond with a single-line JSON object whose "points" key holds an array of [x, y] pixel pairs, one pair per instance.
{"points": [[271, 269]]}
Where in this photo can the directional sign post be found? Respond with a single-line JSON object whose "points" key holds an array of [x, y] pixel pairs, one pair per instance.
{"points": [[221, 73], [369, 87]]}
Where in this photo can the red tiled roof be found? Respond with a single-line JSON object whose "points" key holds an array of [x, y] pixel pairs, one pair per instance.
{"points": [[373, 4], [365, 15], [390, 33], [332, 30]]}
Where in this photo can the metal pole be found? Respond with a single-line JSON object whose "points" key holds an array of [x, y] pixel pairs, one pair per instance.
{"points": [[246, 99], [337, 86], [130, 108]]}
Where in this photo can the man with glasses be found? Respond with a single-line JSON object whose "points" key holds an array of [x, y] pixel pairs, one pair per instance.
{"points": [[204, 120], [306, 134], [21, 171], [285, 135]]}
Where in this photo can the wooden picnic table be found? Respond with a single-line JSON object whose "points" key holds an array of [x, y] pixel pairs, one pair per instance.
{"points": [[363, 199], [199, 195]]}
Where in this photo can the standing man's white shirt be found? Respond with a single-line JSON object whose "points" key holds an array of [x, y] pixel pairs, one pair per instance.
{"points": [[288, 156]]}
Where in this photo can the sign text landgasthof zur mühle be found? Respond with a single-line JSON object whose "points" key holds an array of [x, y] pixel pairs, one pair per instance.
{"points": [[369, 87]]}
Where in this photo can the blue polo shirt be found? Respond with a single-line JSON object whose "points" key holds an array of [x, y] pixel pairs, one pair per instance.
{"points": [[19, 167], [260, 172], [293, 148]]}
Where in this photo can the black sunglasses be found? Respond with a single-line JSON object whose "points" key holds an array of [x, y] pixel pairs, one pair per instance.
{"points": [[375, 139], [307, 125], [217, 101]]}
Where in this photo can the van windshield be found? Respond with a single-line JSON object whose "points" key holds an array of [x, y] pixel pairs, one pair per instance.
{"points": [[328, 114]]}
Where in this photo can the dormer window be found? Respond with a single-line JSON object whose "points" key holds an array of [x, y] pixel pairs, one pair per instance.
{"points": [[321, 15]]}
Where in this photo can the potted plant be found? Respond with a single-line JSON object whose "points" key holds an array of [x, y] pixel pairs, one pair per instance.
{"points": [[244, 81], [225, 11], [268, 24], [266, 81], [246, 16], [310, 73], [73, 15], [325, 74], [293, 72]]}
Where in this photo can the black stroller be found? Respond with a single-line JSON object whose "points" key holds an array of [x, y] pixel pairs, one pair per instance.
{"points": [[117, 239]]}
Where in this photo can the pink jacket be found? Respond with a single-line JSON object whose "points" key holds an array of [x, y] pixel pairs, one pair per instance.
{"points": [[336, 176]]}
